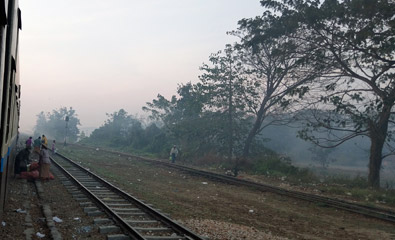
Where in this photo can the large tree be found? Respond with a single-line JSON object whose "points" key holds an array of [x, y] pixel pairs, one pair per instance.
{"points": [[274, 65], [183, 119], [226, 92], [355, 95]]}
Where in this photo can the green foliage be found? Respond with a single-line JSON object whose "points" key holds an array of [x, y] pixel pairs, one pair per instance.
{"points": [[227, 93], [53, 125], [322, 155], [274, 66], [348, 182], [273, 164], [123, 131], [82, 136], [358, 188], [185, 122], [350, 44], [117, 129]]}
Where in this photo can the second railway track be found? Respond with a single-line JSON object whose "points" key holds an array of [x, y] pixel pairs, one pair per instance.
{"points": [[131, 216]]}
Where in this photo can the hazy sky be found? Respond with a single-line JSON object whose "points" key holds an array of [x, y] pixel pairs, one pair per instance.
{"points": [[100, 56]]}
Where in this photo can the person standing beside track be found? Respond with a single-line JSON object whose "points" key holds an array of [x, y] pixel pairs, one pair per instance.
{"points": [[44, 140], [45, 164], [22, 160], [53, 146], [37, 145], [29, 143]]}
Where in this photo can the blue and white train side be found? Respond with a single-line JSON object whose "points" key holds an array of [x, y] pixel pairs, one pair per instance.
{"points": [[10, 92]]}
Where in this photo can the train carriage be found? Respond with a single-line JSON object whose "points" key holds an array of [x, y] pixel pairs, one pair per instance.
{"points": [[10, 24]]}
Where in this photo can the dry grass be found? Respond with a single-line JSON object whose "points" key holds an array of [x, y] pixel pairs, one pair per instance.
{"points": [[190, 198]]}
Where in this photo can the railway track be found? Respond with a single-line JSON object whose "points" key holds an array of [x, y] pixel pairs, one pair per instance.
{"points": [[369, 211], [128, 215]]}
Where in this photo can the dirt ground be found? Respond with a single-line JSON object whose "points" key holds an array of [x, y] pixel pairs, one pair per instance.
{"points": [[21, 203], [75, 223], [222, 211]]}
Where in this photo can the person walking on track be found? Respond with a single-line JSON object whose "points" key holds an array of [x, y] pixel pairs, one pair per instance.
{"points": [[173, 153]]}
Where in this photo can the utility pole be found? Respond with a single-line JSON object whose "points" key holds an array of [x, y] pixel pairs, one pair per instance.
{"points": [[67, 126]]}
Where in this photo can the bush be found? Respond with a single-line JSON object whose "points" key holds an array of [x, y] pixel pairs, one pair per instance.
{"points": [[273, 165], [212, 160], [280, 166], [356, 182]]}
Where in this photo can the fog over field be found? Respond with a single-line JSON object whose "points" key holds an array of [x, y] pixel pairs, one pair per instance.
{"points": [[220, 79]]}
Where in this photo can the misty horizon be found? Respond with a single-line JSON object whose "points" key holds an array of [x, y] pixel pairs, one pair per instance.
{"points": [[99, 57]]}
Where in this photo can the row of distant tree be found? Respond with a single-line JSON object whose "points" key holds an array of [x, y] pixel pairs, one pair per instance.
{"points": [[122, 130], [119, 130], [327, 66], [54, 125]]}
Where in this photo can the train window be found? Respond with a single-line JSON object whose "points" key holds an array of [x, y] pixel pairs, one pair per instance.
{"points": [[17, 92], [3, 13], [19, 19], [13, 66], [4, 109], [9, 113], [10, 98]]}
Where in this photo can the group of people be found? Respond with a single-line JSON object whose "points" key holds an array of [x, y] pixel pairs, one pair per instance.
{"points": [[40, 148]]}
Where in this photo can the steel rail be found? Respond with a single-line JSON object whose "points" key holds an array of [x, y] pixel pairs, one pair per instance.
{"points": [[124, 225], [186, 233], [375, 212]]}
